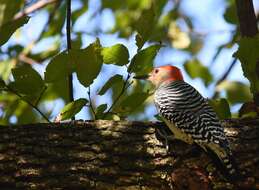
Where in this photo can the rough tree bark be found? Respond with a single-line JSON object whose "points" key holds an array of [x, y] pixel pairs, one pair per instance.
{"points": [[117, 155]]}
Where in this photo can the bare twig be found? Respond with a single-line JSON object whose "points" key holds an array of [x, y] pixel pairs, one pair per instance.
{"points": [[40, 96], [90, 102], [224, 76], [24, 58], [28, 102], [36, 6], [69, 47]]}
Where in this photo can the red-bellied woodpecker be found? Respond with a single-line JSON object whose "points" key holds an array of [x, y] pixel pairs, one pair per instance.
{"points": [[188, 115]]}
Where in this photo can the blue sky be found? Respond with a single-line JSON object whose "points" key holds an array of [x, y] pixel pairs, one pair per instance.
{"points": [[208, 19]]}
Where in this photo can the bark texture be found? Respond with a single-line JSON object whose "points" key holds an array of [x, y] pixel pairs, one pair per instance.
{"points": [[118, 155]]}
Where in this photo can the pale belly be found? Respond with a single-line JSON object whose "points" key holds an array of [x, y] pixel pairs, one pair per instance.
{"points": [[178, 133]]}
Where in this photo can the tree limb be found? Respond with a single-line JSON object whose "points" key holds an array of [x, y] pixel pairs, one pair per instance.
{"points": [[69, 47], [36, 6], [118, 155]]}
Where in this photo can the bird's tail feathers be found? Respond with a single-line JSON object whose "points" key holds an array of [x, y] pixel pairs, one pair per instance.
{"points": [[225, 161]]}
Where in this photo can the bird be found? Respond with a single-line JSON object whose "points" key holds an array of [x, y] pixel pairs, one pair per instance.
{"points": [[189, 116]]}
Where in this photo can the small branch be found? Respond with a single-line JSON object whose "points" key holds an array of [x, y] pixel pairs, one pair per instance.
{"points": [[24, 58], [124, 87], [247, 18], [41, 94], [69, 47], [225, 75], [90, 102], [227, 71], [36, 6], [29, 103], [50, 18]]}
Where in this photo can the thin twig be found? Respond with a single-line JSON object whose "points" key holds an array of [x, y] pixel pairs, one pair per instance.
{"points": [[90, 102], [36, 6], [225, 75], [124, 87], [28, 102], [69, 47], [40, 96]]}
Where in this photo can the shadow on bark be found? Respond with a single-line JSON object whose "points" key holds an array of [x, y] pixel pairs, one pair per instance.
{"points": [[117, 155]]}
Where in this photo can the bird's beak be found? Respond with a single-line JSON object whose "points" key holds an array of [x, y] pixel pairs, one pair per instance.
{"points": [[141, 77]]}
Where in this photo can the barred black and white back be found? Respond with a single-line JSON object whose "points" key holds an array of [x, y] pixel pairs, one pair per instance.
{"points": [[191, 119]]}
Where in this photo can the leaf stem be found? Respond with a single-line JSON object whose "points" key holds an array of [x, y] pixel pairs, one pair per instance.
{"points": [[69, 47], [90, 102], [29, 103], [124, 87]]}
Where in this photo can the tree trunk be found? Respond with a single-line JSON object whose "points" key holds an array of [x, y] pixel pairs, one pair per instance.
{"points": [[118, 155]]}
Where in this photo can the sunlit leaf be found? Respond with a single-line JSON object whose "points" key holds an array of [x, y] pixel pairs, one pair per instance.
{"points": [[221, 107], [144, 26], [26, 80], [248, 55], [112, 81], [72, 108], [117, 54], [88, 63], [142, 62], [58, 68], [179, 39], [195, 69], [237, 92], [9, 28], [5, 68]]}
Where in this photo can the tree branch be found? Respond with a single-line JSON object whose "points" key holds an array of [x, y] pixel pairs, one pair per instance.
{"points": [[69, 47], [119, 155], [36, 6], [28, 102]]}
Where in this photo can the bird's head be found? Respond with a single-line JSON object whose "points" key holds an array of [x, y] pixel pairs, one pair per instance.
{"points": [[159, 75]]}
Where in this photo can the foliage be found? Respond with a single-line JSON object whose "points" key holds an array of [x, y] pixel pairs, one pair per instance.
{"points": [[27, 91]]}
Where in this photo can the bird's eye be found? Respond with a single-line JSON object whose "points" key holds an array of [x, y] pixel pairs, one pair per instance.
{"points": [[156, 70]]}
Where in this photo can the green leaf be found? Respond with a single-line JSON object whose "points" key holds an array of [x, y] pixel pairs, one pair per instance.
{"points": [[57, 89], [88, 63], [58, 68], [132, 102], [112, 81], [236, 92], [72, 108], [8, 10], [100, 111], [142, 62], [117, 54], [221, 107], [2, 84], [26, 80], [230, 14], [195, 69], [55, 27], [6, 67], [9, 28], [248, 55], [144, 26]]}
